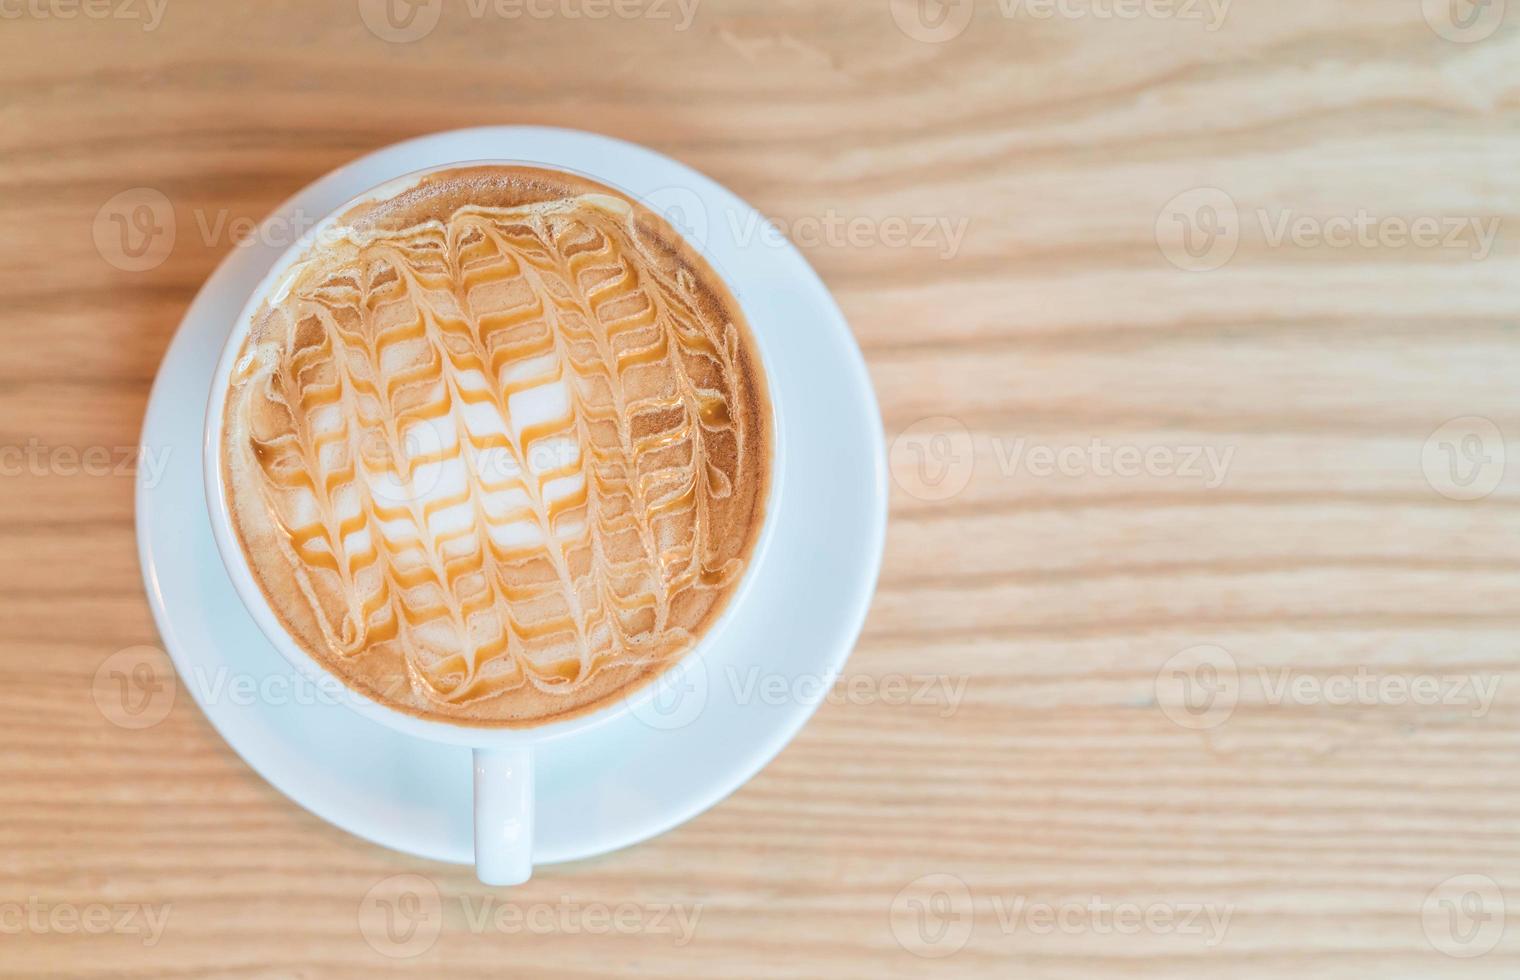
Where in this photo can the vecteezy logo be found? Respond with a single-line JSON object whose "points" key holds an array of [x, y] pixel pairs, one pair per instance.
{"points": [[933, 916], [683, 208], [1198, 688], [401, 916], [1463, 916], [932, 21], [675, 699], [400, 21], [1199, 230], [934, 458], [404, 473], [134, 230], [1464, 459], [1464, 21], [135, 688]]}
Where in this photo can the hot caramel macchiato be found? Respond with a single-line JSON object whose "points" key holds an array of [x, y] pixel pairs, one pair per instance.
{"points": [[498, 449]]}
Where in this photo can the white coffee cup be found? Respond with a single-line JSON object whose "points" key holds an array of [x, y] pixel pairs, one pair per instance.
{"points": [[503, 758]]}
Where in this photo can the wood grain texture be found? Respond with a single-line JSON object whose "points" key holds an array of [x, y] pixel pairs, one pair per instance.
{"points": [[1050, 773]]}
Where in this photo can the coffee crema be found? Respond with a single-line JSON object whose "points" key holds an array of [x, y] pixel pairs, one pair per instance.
{"points": [[499, 449]]}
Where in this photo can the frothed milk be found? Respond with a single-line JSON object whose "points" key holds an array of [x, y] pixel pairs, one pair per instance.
{"points": [[499, 448]]}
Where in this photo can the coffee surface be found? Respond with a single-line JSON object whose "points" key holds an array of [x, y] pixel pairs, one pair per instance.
{"points": [[499, 449]]}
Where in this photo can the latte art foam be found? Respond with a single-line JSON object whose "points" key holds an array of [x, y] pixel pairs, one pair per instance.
{"points": [[500, 449]]}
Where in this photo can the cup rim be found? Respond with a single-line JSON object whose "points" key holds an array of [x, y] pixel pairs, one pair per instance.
{"points": [[257, 604]]}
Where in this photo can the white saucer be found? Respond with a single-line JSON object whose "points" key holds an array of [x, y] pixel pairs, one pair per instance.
{"points": [[640, 775]]}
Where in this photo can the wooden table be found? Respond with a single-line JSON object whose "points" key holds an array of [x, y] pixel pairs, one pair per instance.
{"points": [[1196, 361]]}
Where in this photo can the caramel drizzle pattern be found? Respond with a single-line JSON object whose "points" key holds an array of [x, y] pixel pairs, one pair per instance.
{"points": [[578, 260]]}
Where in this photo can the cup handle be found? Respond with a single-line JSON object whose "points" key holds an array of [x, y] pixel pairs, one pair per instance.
{"points": [[504, 815]]}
